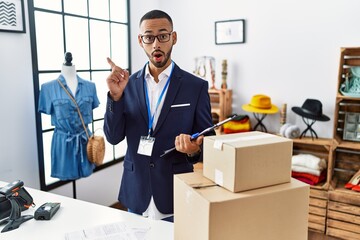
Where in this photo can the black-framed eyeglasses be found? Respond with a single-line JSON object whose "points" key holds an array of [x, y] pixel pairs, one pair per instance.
{"points": [[164, 37]]}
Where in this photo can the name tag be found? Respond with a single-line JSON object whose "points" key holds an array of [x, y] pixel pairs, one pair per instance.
{"points": [[146, 145]]}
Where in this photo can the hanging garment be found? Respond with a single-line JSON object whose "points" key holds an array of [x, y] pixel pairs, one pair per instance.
{"points": [[68, 146]]}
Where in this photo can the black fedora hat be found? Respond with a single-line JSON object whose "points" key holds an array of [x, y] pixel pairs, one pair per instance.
{"points": [[312, 109]]}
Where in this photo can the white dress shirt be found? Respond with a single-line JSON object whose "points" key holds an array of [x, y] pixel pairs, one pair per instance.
{"points": [[154, 90]]}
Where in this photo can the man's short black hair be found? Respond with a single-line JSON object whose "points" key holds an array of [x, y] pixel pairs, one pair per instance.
{"points": [[155, 14]]}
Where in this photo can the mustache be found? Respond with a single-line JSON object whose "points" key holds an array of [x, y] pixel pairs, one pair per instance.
{"points": [[157, 51]]}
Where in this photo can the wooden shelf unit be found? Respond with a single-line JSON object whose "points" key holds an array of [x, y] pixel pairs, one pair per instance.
{"points": [[342, 206], [343, 212], [221, 103], [318, 201]]}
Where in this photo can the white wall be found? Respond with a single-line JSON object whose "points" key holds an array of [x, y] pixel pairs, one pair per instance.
{"points": [[138, 9], [292, 53], [292, 49], [18, 146]]}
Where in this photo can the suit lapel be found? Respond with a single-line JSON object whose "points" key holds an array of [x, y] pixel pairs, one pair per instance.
{"points": [[141, 95], [174, 86]]}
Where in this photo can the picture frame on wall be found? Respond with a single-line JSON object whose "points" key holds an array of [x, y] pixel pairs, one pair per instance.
{"points": [[230, 31], [12, 16]]}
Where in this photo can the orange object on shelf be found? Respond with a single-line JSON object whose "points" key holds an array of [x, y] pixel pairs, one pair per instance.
{"points": [[237, 126]]}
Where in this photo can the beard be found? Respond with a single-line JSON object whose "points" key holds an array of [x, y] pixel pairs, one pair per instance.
{"points": [[163, 62]]}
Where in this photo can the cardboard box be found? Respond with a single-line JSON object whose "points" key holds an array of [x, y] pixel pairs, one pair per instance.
{"points": [[206, 211], [245, 161]]}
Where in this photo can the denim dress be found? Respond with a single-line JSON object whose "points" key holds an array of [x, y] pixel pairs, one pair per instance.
{"points": [[68, 147]]}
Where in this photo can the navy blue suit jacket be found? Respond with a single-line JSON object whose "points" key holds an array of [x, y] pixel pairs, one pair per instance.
{"points": [[146, 176]]}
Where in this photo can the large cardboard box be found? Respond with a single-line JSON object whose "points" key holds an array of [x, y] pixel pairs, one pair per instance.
{"points": [[250, 160], [206, 211]]}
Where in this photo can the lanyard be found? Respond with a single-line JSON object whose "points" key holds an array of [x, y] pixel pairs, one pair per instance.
{"points": [[151, 118]]}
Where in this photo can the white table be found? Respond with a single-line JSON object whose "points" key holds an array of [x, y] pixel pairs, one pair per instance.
{"points": [[75, 215]]}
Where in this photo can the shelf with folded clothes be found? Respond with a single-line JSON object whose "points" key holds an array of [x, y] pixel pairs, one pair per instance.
{"points": [[309, 164], [310, 161]]}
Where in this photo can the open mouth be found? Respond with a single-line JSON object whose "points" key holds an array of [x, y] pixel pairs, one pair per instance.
{"points": [[158, 56]]}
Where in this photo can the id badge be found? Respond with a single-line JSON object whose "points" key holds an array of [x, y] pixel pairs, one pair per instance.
{"points": [[146, 145]]}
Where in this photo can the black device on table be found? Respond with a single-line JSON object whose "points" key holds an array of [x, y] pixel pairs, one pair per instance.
{"points": [[46, 211]]}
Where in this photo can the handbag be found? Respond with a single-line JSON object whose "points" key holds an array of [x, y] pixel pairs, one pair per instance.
{"points": [[95, 147]]}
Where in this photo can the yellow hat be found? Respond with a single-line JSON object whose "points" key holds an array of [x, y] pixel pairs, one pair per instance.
{"points": [[260, 104]]}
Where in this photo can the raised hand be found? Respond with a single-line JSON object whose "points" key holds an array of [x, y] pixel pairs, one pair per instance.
{"points": [[117, 80]]}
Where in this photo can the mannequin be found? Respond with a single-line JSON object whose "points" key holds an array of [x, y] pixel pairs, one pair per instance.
{"points": [[69, 72], [68, 146]]}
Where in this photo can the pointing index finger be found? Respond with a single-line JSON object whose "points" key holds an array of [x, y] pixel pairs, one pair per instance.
{"points": [[111, 63]]}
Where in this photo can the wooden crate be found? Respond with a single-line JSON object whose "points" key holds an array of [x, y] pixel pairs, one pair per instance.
{"points": [[342, 206], [344, 107], [318, 201], [221, 104], [349, 57], [343, 215], [346, 164], [321, 148], [318, 210]]}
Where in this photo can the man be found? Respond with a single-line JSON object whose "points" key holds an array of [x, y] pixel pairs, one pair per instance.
{"points": [[157, 108]]}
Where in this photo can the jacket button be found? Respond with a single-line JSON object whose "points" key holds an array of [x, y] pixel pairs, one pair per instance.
{"points": [[152, 165]]}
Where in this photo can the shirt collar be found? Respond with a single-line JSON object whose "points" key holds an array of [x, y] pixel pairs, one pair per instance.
{"points": [[163, 75], [63, 81]]}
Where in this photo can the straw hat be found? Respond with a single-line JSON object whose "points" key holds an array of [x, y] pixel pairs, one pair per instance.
{"points": [[260, 104]]}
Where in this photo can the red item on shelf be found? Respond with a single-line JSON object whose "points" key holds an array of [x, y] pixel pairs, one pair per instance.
{"points": [[311, 179]]}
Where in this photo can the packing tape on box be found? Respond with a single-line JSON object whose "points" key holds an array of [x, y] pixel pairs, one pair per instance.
{"points": [[201, 185], [219, 177], [188, 196], [218, 144], [189, 193]]}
